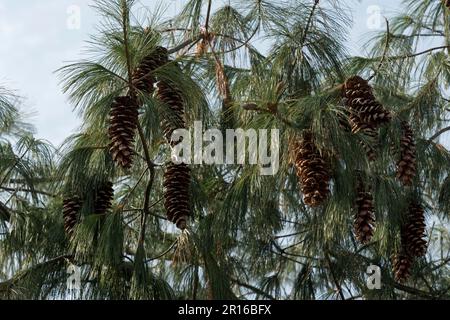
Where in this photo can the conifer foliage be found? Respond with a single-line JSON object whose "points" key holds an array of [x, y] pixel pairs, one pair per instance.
{"points": [[125, 210]]}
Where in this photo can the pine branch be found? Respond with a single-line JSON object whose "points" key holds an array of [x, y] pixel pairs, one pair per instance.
{"points": [[252, 288], [385, 51], [439, 133], [29, 191], [309, 22]]}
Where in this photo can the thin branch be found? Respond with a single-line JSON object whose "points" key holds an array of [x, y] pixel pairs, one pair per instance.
{"points": [[28, 190], [308, 24], [163, 253], [185, 44], [125, 19], [148, 190], [412, 55], [15, 164], [252, 288], [338, 286], [385, 51], [208, 15], [437, 134]]}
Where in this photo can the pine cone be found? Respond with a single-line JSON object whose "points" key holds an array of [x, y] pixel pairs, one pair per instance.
{"points": [[104, 198], [402, 264], [447, 3], [406, 166], [177, 180], [123, 124], [347, 123], [365, 216], [413, 232], [365, 109], [71, 208], [143, 78], [175, 116], [312, 171]]}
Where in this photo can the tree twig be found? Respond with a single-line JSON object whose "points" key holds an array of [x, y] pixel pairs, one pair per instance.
{"points": [[385, 51], [252, 288], [437, 134]]}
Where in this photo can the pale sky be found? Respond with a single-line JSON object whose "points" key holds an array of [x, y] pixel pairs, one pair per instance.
{"points": [[36, 40]]}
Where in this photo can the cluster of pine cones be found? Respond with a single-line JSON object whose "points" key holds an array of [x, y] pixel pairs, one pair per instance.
{"points": [[103, 199], [177, 177], [365, 115], [123, 124]]}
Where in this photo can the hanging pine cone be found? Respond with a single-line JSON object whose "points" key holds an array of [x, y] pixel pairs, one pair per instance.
{"points": [[143, 78], [370, 134], [177, 180], [447, 4], [406, 166], [123, 124], [413, 232], [365, 216], [174, 120], [312, 171], [365, 109], [402, 264], [103, 198], [71, 208]]}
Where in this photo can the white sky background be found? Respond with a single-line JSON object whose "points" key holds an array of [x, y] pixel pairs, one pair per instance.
{"points": [[36, 40]]}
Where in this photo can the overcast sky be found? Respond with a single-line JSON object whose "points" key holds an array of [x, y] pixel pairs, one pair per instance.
{"points": [[37, 37]]}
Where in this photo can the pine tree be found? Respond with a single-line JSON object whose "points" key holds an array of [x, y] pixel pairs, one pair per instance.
{"points": [[250, 236]]}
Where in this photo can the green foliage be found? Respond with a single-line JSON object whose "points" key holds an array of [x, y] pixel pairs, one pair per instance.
{"points": [[250, 236]]}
